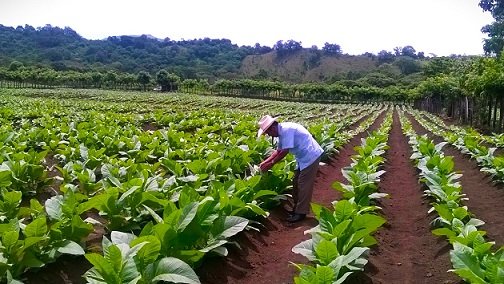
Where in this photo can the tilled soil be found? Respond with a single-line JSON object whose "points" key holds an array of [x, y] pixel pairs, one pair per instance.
{"points": [[407, 252], [485, 197], [265, 257]]}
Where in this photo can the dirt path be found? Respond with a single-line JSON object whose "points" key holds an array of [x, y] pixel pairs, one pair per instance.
{"points": [[485, 198], [264, 257], [407, 252]]}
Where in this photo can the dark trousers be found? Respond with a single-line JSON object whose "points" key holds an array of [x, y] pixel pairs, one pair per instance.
{"points": [[302, 187]]}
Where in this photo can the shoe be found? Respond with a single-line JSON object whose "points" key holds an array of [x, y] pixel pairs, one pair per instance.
{"points": [[295, 217]]}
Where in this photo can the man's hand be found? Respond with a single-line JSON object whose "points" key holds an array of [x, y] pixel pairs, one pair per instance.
{"points": [[265, 166], [276, 156]]}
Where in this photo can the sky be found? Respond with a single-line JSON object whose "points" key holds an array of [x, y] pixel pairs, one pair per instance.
{"points": [[438, 27]]}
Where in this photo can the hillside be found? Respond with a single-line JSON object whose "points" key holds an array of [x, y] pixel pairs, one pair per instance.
{"points": [[212, 59], [306, 66]]}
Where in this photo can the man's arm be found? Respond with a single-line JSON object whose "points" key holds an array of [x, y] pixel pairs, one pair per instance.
{"points": [[274, 158]]}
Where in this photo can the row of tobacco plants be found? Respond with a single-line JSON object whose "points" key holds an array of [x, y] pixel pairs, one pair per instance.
{"points": [[473, 257], [168, 180], [339, 245], [469, 142]]}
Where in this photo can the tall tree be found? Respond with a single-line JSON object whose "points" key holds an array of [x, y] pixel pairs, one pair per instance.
{"points": [[143, 79], [495, 31], [331, 48]]}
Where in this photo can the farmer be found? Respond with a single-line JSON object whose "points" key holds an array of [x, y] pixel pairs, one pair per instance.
{"points": [[294, 138]]}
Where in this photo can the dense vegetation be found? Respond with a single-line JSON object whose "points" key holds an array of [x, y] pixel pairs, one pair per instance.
{"points": [[464, 87], [65, 49]]}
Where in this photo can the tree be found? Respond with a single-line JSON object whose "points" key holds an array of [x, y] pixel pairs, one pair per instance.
{"points": [[167, 81], [439, 65], [496, 7], [408, 51], [15, 65], [111, 79], [332, 49], [162, 79], [97, 78], [143, 79], [397, 51], [495, 43], [385, 57], [258, 49], [407, 65], [288, 47], [173, 81]]}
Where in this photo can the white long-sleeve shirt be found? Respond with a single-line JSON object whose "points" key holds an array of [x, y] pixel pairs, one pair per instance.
{"points": [[295, 138]]}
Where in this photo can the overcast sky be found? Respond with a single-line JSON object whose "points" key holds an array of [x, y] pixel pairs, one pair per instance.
{"points": [[441, 27]]}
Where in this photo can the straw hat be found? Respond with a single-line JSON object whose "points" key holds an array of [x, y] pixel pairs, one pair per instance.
{"points": [[264, 123]]}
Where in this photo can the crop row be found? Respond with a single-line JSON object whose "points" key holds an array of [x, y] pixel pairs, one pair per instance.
{"points": [[472, 256], [470, 145], [340, 243], [168, 196]]}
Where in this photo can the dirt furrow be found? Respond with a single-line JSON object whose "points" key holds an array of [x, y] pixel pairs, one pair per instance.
{"points": [[485, 197], [264, 257], [407, 252]]}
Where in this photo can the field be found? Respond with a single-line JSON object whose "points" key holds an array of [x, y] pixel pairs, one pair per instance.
{"points": [[114, 187]]}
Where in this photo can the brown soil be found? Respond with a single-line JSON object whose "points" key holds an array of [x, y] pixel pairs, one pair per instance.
{"points": [[66, 270], [149, 126], [485, 198], [407, 252], [265, 257]]}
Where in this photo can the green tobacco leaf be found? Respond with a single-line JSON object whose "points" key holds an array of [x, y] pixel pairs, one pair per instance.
{"points": [[70, 247], [347, 259], [36, 228], [53, 207], [444, 232], [96, 202], [11, 280], [257, 210], [30, 241], [79, 229], [129, 192], [306, 275], [150, 251], [121, 238], [12, 197], [30, 260], [114, 258], [228, 226], [465, 263], [316, 209], [467, 274], [105, 270], [326, 251], [10, 238], [305, 248], [341, 228], [174, 270], [343, 209], [5, 178], [325, 275], [154, 215], [368, 221], [188, 214], [262, 193]]}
